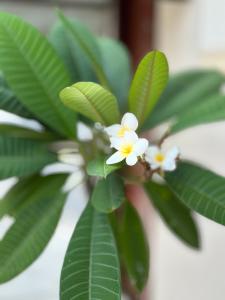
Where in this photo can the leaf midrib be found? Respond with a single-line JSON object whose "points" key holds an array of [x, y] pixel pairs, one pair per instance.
{"points": [[19, 48]]}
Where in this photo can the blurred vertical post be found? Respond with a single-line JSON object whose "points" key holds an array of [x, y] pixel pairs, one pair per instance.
{"points": [[136, 26]]}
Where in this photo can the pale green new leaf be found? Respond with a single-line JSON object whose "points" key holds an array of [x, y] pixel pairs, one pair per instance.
{"points": [[9, 102], [174, 213], [22, 157], [93, 101], [35, 73], [71, 53], [134, 247], [98, 167], [119, 73], [211, 109], [108, 194], [33, 228], [18, 131], [87, 42], [184, 91], [91, 267], [148, 84], [200, 190]]}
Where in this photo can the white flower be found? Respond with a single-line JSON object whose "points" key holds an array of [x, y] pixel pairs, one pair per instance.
{"points": [[129, 147], [129, 123], [159, 159]]}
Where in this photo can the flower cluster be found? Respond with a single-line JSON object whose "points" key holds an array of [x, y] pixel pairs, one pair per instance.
{"points": [[130, 147]]}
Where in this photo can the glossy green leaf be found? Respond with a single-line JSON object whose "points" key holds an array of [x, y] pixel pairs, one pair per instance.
{"points": [[20, 194], [69, 50], [119, 73], [9, 102], [35, 73], [32, 230], [88, 44], [174, 213], [92, 101], [91, 267], [148, 84], [134, 247], [21, 157], [18, 131], [200, 190], [184, 91], [108, 194], [212, 109], [99, 168]]}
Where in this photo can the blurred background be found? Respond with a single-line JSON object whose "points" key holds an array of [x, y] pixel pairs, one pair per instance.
{"points": [[192, 34]]}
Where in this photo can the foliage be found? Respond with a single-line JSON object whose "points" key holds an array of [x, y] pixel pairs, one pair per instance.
{"points": [[73, 75]]}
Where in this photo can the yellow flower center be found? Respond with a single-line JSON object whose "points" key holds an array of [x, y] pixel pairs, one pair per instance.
{"points": [[159, 157], [126, 149], [122, 131]]}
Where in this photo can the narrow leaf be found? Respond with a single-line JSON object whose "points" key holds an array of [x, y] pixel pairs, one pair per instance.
{"points": [[18, 131], [72, 54], [111, 51], [212, 109], [185, 90], [35, 73], [32, 230], [99, 168], [20, 194], [9, 102], [92, 101], [134, 247], [88, 44], [108, 194], [21, 157], [148, 84], [200, 190], [91, 266], [174, 213]]}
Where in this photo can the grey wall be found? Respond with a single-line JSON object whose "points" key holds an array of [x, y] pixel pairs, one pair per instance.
{"points": [[100, 15]]}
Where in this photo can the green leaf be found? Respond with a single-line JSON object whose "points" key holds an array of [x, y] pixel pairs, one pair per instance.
{"points": [[185, 90], [174, 213], [134, 247], [24, 132], [91, 267], [9, 102], [21, 157], [149, 82], [71, 53], [21, 193], [99, 168], [111, 51], [88, 44], [108, 194], [35, 73], [212, 109], [200, 190], [32, 230], [92, 101]]}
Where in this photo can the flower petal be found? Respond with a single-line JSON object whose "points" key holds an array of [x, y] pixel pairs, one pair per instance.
{"points": [[113, 129], [115, 158], [131, 159], [141, 146], [115, 143], [130, 137], [169, 165], [173, 153], [151, 153], [130, 121]]}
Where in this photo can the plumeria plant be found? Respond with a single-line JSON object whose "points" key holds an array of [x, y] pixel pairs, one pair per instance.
{"points": [[70, 78]]}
